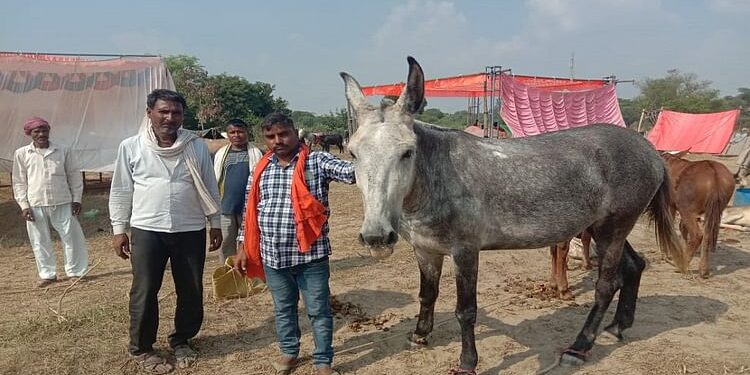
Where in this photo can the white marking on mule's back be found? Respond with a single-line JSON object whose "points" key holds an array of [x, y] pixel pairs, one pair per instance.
{"points": [[495, 149], [500, 155]]}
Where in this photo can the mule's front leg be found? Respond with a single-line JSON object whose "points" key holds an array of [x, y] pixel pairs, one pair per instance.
{"points": [[466, 263], [610, 280], [430, 268]]}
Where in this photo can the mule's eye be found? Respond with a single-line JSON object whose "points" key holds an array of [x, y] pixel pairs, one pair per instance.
{"points": [[353, 156], [407, 154]]}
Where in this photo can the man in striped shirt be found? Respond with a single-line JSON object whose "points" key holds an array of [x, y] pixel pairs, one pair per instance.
{"points": [[289, 269]]}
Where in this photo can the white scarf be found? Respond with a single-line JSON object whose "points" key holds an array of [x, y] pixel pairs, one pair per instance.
{"points": [[182, 145]]}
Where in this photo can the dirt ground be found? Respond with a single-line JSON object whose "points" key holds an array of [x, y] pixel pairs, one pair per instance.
{"points": [[684, 325]]}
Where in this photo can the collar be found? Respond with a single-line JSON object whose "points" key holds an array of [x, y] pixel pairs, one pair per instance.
{"points": [[275, 159], [52, 147]]}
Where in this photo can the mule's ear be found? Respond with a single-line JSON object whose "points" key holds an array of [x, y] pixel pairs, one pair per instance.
{"points": [[353, 92], [413, 95]]}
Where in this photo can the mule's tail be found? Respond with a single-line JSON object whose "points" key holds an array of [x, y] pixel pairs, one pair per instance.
{"points": [[662, 215]]}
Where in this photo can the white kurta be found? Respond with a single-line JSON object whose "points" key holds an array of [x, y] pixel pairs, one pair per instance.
{"points": [[47, 181]]}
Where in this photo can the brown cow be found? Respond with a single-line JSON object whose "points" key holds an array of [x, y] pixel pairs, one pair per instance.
{"points": [[559, 275], [699, 188]]}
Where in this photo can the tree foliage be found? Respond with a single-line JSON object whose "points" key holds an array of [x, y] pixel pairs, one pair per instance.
{"points": [[332, 122], [682, 92], [215, 99]]}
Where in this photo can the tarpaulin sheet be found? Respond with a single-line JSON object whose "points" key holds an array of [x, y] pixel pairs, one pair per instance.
{"points": [[91, 105], [530, 110], [473, 85], [701, 133]]}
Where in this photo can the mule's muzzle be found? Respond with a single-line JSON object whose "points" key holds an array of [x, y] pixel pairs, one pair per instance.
{"points": [[378, 240], [380, 246]]}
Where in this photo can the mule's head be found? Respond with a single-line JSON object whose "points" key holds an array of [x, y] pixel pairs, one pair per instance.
{"points": [[385, 149]]}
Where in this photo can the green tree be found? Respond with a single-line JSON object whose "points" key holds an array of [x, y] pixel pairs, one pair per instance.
{"points": [[304, 120], [192, 81], [631, 111], [239, 98], [741, 100], [678, 91]]}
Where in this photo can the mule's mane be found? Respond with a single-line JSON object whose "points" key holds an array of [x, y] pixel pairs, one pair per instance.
{"points": [[436, 127]]}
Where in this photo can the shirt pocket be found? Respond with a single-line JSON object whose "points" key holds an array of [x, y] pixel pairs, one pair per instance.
{"points": [[55, 167]]}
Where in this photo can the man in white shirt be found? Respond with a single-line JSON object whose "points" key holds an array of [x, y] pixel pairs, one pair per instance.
{"points": [[164, 187], [47, 185]]}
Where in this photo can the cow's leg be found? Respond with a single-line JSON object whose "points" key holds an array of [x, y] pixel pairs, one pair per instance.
{"points": [[466, 263], [430, 268], [610, 239], [631, 268]]}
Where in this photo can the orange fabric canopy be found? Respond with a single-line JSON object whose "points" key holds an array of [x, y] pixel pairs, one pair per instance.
{"points": [[473, 85]]}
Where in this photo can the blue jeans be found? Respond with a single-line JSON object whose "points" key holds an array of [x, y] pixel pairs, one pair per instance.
{"points": [[286, 284]]}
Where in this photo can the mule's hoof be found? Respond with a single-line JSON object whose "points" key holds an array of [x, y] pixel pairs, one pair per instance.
{"points": [[461, 371], [417, 341], [572, 358], [608, 338]]}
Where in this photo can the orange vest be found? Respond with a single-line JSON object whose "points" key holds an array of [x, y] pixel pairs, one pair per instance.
{"points": [[309, 213]]}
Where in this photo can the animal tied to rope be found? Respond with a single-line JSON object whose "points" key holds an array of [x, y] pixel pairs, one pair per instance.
{"points": [[449, 193]]}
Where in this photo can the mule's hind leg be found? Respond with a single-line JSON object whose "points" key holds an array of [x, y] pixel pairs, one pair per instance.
{"points": [[631, 268], [610, 247], [563, 290], [430, 268], [554, 272], [586, 249]]}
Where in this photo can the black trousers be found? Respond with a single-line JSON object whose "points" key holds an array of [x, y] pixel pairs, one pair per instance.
{"points": [[149, 254]]}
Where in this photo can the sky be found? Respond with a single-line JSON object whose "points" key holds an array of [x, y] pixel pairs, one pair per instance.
{"points": [[300, 46]]}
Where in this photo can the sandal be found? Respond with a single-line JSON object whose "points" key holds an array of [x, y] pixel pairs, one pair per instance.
{"points": [[285, 368], [153, 363], [185, 356]]}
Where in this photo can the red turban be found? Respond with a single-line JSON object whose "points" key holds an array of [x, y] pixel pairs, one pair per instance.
{"points": [[33, 123]]}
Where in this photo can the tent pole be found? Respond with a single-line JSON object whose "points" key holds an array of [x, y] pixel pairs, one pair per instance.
{"points": [[643, 112], [484, 115]]}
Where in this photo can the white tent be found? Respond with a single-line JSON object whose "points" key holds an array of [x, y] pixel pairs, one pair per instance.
{"points": [[91, 105]]}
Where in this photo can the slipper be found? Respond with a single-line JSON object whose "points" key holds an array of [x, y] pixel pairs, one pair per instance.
{"points": [[285, 368], [153, 363], [185, 356]]}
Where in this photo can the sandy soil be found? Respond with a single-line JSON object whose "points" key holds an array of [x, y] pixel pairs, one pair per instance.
{"points": [[684, 325]]}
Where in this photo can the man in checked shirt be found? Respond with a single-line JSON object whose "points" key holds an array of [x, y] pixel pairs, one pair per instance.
{"points": [[275, 248]]}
